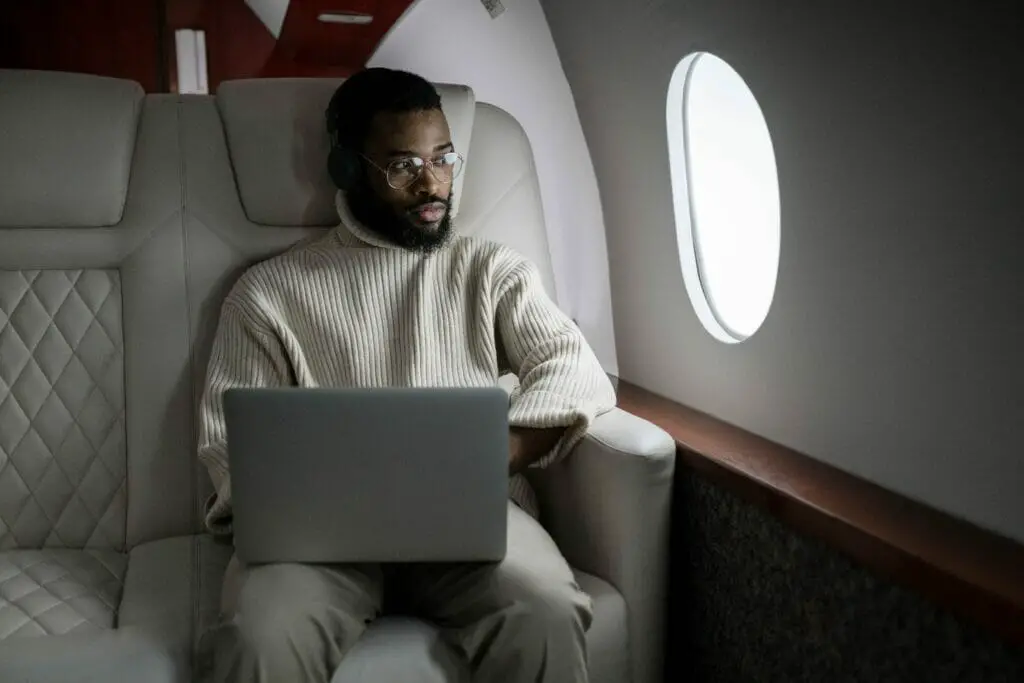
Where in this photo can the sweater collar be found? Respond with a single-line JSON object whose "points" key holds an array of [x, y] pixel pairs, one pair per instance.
{"points": [[353, 233]]}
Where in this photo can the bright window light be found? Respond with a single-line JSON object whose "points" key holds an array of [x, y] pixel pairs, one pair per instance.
{"points": [[726, 195]]}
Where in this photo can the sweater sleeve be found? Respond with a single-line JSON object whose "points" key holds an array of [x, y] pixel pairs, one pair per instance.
{"points": [[244, 354], [561, 382]]}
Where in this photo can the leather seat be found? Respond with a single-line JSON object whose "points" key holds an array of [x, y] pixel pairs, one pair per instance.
{"points": [[97, 512], [124, 218]]}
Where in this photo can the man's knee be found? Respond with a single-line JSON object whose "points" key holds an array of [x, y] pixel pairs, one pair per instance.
{"points": [[551, 608], [537, 632]]}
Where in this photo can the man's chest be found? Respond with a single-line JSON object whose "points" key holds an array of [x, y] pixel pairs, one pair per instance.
{"points": [[415, 327]]}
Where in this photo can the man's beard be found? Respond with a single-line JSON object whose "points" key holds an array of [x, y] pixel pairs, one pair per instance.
{"points": [[381, 218]]}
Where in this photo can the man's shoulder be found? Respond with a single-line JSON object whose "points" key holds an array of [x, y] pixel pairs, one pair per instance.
{"points": [[494, 255], [263, 278], [503, 265]]}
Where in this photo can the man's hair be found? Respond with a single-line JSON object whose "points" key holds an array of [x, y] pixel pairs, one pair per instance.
{"points": [[371, 91]]}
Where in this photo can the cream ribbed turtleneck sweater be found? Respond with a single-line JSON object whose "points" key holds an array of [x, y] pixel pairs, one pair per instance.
{"points": [[350, 309]]}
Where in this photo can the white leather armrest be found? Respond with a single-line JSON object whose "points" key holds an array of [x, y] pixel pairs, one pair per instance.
{"points": [[608, 507]]}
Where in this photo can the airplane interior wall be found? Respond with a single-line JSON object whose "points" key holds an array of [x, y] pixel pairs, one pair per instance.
{"points": [[134, 39], [511, 62], [111, 37], [893, 346]]}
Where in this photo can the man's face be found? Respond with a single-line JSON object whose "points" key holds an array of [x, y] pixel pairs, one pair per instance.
{"points": [[417, 216]]}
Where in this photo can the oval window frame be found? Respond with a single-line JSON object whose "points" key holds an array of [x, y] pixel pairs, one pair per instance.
{"points": [[687, 226]]}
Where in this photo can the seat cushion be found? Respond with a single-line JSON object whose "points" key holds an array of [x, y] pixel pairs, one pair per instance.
{"points": [[108, 656], [172, 587], [412, 651], [154, 596], [608, 638], [57, 591]]}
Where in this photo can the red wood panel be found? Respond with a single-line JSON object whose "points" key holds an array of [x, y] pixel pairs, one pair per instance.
{"points": [[238, 45], [282, 67], [135, 38], [306, 40], [105, 37]]}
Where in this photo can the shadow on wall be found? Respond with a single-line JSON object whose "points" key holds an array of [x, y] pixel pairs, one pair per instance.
{"points": [[892, 347]]}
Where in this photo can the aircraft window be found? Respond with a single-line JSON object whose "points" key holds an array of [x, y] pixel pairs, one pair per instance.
{"points": [[726, 196]]}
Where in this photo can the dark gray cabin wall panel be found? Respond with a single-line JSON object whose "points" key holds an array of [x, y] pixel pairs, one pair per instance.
{"points": [[893, 347], [754, 602]]}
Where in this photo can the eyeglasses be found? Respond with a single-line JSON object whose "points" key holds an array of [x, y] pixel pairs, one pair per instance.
{"points": [[401, 173]]}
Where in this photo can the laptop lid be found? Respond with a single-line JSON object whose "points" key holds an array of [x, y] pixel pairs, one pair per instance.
{"points": [[368, 475]]}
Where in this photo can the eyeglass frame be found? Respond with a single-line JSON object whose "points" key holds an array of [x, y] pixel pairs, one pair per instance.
{"points": [[428, 164]]}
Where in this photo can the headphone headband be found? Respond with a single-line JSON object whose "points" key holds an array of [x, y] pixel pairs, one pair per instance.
{"points": [[342, 163]]}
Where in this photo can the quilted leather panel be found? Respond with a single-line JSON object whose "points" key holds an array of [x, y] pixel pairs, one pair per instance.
{"points": [[58, 591], [62, 432]]}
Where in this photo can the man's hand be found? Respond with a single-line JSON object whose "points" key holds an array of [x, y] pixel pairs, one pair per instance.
{"points": [[526, 446]]}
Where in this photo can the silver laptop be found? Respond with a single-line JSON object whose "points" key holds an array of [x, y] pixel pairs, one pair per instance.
{"points": [[368, 475]]}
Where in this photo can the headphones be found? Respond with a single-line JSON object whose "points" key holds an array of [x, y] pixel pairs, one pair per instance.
{"points": [[342, 163]]}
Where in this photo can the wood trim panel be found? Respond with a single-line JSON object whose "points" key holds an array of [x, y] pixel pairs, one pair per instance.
{"points": [[238, 45], [115, 38], [966, 569]]}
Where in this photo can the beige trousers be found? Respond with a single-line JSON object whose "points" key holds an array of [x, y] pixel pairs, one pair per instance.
{"points": [[521, 620]]}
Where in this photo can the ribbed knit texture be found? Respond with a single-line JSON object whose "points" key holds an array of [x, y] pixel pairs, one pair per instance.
{"points": [[351, 310]]}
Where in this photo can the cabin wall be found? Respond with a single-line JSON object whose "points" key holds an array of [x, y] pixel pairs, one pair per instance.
{"points": [[134, 39], [511, 62], [119, 38], [893, 348], [238, 44]]}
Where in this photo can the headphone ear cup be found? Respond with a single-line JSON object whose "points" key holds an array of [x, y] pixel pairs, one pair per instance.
{"points": [[343, 167]]}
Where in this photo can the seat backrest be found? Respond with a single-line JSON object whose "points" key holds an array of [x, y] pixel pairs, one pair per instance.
{"points": [[93, 318], [256, 182], [124, 220], [277, 147]]}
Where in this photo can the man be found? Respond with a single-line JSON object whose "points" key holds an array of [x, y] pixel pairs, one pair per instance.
{"points": [[394, 297]]}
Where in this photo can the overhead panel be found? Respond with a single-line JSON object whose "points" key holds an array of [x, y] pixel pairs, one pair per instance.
{"points": [[335, 33]]}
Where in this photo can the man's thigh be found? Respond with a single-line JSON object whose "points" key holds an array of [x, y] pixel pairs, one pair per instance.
{"points": [[533, 572], [357, 589]]}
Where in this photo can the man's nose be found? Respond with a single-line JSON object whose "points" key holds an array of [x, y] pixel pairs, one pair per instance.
{"points": [[428, 185]]}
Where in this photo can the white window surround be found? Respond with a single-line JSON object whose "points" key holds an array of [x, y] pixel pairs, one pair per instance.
{"points": [[725, 195], [190, 56]]}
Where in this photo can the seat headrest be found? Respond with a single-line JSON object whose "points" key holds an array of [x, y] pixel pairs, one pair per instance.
{"points": [[277, 138], [66, 147]]}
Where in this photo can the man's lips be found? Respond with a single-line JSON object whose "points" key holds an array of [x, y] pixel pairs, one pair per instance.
{"points": [[429, 213]]}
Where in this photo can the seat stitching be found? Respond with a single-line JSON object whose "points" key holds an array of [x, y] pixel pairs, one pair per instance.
{"points": [[96, 388], [31, 427], [88, 591], [100, 560], [194, 514], [27, 618]]}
